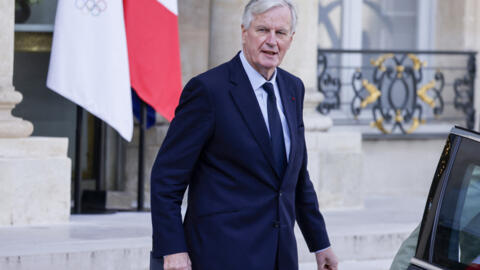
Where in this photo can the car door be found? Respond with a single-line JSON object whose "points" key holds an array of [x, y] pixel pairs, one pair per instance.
{"points": [[450, 231]]}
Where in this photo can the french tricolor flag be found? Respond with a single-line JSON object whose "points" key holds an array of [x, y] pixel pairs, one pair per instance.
{"points": [[154, 52], [90, 64]]}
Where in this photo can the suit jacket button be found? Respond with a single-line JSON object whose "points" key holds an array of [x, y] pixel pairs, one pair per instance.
{"points": [[276, 224], [280, 194]]}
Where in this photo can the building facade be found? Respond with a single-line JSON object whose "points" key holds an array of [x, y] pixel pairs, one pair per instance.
{"points": [[210, 35]]}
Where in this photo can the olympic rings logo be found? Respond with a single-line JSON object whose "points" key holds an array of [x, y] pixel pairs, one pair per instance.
{"points": [[94, 7]]}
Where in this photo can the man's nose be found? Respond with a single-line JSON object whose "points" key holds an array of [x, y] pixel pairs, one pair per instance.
{"points": [[271, 39]]}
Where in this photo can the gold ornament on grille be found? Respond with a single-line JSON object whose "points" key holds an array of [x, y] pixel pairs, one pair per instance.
{"points": [[379, 125], [422, 93], [380, 60], [417, 64], [400, 70], [373, 91]]}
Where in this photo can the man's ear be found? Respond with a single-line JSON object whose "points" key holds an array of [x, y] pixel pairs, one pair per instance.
{"points": [[290, 41], [244, 31]]}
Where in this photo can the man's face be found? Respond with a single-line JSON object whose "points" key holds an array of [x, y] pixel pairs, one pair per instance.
{"points": [[267, 39]]}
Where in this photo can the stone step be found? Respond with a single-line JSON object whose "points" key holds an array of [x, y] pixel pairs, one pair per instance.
{"points": [[354, 265], [123, 240], [379, 241], [371, 233]]}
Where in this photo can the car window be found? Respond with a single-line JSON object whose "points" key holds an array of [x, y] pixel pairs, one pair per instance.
{"points": [[457, 237], [470, 218]]}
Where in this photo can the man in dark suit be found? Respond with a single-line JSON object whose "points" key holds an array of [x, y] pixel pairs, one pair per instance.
{"points": [[237, 142]]}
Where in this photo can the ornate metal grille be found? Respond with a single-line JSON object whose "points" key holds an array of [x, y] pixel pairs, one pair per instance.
{"points": [[398, 87]]}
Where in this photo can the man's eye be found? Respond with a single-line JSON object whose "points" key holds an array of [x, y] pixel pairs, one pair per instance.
{"points": [[262, 30]]}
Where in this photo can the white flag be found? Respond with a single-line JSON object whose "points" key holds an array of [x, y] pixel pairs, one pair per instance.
{"points": [[89, 60]]}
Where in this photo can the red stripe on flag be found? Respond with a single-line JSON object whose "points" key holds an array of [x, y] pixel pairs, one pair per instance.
{"points": [[154, 54]]}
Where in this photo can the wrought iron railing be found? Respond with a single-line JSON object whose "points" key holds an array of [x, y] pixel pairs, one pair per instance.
{"points": [[399, 89]]}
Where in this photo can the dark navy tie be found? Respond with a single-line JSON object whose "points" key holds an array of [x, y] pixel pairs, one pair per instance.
{"points": [[276, 131]]}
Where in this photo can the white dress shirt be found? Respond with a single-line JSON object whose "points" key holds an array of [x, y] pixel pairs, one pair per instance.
{"points": [[257, 81]]}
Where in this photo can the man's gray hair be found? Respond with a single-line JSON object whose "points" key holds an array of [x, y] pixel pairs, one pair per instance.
{"points": [[255, 7]]}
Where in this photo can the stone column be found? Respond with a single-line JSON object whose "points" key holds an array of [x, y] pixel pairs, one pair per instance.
{"points": [[194, 29], [34, 172], [225, 30], [10, 127]]}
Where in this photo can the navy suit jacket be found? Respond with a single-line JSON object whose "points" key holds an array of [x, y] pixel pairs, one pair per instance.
{"points": [[241, 213]]}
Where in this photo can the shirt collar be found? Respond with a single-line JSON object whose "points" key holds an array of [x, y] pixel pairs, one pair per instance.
{"points": [[255, 78]]}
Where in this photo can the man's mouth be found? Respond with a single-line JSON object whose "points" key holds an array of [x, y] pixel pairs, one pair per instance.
{"points": [[269, 52]]}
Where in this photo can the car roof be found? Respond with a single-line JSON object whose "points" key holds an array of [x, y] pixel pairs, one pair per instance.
{"points": [[467, 133]]}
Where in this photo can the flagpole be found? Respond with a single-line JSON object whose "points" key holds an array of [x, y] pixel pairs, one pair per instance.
{"points": [[141, 155], [99, 160], [78, 147]]}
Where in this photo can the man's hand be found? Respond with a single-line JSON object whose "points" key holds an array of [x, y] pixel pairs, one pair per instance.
{"points": [[326, 260], [177, 261]]}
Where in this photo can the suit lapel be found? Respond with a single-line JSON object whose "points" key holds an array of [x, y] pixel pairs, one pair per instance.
{"points": [[246, 102], [289, 107]]}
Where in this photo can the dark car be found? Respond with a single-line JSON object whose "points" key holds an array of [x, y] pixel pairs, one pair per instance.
{"points": [[449, 235]]}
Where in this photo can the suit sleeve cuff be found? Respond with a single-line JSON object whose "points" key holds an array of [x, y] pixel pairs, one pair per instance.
{"points": [[321, 250]]}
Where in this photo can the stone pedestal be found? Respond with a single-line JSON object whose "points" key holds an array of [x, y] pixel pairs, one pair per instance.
{"points": [[335, 163], [400, 167], [313, 120], [34, 181], [34, 172]]}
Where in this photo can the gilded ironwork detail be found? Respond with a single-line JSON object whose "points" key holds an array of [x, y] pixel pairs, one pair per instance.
{"points": [[416, 63], [379, 125], [393, 95], [400, 70], [422, 93], [380, 60], [398, 117], [374, 93], [415, 124], [394, 89]]}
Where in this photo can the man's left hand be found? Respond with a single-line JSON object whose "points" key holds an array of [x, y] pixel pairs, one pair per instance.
{"points": [[326, 260]]}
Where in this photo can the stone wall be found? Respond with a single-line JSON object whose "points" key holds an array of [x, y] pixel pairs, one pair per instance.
{"points": [[400, 167], [34, 181]]}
